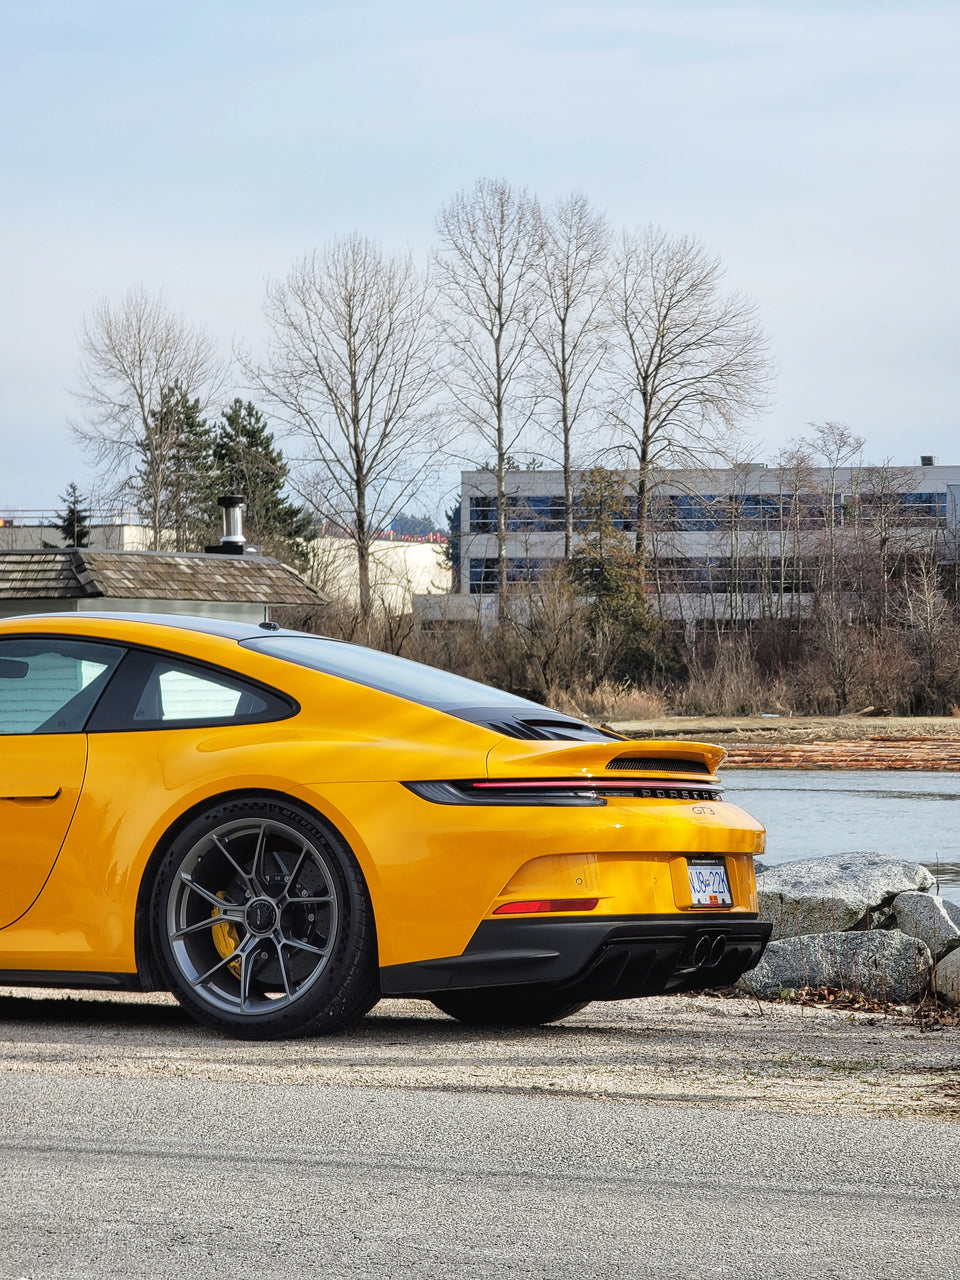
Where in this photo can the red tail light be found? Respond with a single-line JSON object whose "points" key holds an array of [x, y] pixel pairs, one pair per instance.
{"points": [[546, 904], [574, 792]]}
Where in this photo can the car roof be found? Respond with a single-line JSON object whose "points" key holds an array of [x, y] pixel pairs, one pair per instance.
{"points": [[227, 629], [479, 703]]}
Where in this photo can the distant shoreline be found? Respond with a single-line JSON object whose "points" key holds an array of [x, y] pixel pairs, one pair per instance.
{"points": [[816, 742]]}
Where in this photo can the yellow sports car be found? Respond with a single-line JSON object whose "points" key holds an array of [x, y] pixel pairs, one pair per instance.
{"points": [[281, 828]]}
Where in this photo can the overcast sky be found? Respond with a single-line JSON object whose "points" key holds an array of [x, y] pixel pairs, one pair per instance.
{"points": [[199, 148]]}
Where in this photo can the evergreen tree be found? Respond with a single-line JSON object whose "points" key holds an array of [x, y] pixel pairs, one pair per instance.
{"points": [[248, 462], [607, 568], [74, 523], [405, 526], [605, 562], [451, 551], [188, 482]]}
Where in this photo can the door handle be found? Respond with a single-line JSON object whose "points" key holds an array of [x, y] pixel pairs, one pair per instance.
{"points": [[36, 795]]}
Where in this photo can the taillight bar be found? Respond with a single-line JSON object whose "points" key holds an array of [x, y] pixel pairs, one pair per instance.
{"points": [[577, 792], [600, 784]]}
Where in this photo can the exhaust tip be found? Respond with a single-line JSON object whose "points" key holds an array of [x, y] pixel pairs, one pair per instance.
{"points": [[717, 948], [701, 951], [709, 950]]}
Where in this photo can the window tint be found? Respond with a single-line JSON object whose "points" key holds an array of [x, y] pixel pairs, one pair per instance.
{"points": [[174, 693], [524, 511], [484, 578], [152, 691], [48, 685], [186, 695]]}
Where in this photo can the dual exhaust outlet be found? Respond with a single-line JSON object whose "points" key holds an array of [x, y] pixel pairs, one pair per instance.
{"points": [[708, 950]]}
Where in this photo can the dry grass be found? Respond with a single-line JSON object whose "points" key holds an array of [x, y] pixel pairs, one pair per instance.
{"points": [[550, 648], [729, 682], [610, 700]]}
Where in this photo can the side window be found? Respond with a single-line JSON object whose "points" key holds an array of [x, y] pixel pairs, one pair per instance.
{"points": [[49, 685], [153, 691], [174, 693]]}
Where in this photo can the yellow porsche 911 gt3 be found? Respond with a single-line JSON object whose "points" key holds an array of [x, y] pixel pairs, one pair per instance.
{"points": [[281, 829]]}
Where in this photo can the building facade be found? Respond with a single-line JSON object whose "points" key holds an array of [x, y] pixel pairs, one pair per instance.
{"points": [[732, 543]]}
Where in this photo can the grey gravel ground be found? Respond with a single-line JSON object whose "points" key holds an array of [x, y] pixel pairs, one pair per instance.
{"points": [[733, 1053]]}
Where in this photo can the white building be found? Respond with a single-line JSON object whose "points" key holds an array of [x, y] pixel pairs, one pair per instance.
{"points": [[712, 534], [399, 571], [34, 530]]}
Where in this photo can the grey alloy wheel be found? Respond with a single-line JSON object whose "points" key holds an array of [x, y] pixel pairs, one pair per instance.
{"points": [[263, 923]]}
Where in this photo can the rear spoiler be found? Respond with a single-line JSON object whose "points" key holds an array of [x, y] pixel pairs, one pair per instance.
{"points": [[655, 757]]}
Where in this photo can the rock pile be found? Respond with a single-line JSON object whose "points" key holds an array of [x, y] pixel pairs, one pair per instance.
{"points": [[861, 922]]}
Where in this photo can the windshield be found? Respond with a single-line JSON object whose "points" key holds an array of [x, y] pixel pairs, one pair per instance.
{"points": [[384, 671]]}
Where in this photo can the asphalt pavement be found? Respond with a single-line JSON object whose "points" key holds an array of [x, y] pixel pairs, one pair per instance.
{"points": [[667, 1138], [159, 1178]]}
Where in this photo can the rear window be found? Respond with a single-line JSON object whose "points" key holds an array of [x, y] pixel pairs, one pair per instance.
{"points": [[430, 686]]}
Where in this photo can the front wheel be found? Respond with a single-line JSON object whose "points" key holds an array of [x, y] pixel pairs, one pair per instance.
{"points": [[505, 1006], [263, 924]]}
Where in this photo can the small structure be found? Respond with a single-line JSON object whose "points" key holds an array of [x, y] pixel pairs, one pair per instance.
{"points": [[400, 571], [32, 530], [79, 580]]}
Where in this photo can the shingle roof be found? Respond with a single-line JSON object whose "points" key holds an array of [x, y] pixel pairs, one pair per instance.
{"points": [[151, 575]]}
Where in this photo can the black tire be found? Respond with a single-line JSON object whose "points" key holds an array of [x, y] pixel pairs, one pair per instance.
{"points": [[506, 1006], [263, 924]]}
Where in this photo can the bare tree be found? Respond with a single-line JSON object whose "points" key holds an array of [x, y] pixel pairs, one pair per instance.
{"points": [[794, 573], [836, 447], [490, 239], [133, 355], [887, 531], [931, 628], [569, 333], [689, 362], [352, 367]]}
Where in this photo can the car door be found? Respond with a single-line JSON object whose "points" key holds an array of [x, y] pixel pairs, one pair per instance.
{"points": [[48, 687]]}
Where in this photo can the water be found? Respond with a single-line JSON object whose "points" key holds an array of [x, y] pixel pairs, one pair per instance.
{"points": [[811, 812]]}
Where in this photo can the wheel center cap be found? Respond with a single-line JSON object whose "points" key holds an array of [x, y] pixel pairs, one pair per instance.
{"points": [[261, 916]]}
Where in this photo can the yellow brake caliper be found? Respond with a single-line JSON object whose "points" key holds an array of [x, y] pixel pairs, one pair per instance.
{"points": [[226, 939]]}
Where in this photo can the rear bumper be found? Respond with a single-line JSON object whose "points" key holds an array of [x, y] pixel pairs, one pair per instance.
{"points": [[613, 958]]}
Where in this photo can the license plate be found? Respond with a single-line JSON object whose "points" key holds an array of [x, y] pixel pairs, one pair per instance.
{"points": [[709, 886]]}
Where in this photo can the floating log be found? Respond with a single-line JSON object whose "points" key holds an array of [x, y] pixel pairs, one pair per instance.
{"points": [[940, 755]]}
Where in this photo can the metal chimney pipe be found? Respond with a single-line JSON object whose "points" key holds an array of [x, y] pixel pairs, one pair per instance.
{"points": [[233, 540]]}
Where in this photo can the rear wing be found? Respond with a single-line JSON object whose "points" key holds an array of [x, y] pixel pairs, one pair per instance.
{"points": [[654, 758]]}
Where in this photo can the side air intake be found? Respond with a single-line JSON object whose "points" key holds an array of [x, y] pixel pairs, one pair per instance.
{"points": [[545, 730]]}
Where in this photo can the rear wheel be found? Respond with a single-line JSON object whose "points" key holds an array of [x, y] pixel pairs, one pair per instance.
{"points": [[263, 923], [505, 1006]]}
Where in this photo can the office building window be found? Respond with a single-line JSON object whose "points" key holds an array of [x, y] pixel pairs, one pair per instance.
{"points": [[483, 572]]}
